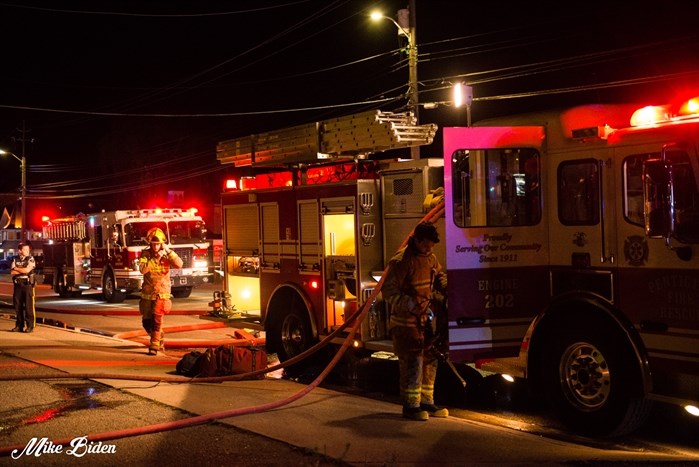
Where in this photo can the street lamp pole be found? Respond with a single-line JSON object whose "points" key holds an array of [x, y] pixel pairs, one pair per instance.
{"points": [[23, 168], [412, 66], [413, 103]]}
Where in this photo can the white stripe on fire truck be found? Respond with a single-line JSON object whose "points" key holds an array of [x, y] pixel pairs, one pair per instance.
{"points": [[482, 334], [675, 343]]}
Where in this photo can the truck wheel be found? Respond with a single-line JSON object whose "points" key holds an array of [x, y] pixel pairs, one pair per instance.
{"points": [[60, 286], [589, 373], [182, 292], [288, 327], [109, 289], [295, 334]]}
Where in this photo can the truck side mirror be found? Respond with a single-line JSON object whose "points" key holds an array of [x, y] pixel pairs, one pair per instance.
{"points": [[657, 199]]}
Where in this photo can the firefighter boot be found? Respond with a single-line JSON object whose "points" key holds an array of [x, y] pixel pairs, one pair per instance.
{"points": [[415, 413], [435, 410], [155, 343]]}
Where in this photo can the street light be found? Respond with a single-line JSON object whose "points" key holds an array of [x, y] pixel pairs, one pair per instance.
{"points": [[412, 61], [463, 95], [23, 168]]}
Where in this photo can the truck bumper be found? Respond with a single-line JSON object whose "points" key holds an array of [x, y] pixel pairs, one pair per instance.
{"points": [[190, 281]]}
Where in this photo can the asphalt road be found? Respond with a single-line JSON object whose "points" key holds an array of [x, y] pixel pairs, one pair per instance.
{"points": [[76, 387], [323, 427]]}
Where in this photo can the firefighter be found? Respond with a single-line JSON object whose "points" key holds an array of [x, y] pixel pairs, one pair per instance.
{"points": [[23, 294], [413, 277], [155, 263]]}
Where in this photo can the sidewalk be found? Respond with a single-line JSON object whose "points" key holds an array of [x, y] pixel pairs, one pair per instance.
{"points": [[353, 429]]}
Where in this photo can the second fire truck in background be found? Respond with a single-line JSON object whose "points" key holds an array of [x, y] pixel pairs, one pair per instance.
{"points": [[100, 251]]}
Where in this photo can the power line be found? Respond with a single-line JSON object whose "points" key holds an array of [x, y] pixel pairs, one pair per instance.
{"points": [[152, 15]]}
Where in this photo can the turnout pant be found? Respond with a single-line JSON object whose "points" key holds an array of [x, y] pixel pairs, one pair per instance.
{"points": [[417, 367], [23, 300], [152, 314]]}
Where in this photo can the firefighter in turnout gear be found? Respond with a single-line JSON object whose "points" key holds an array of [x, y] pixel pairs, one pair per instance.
{"points": [[23, 295], [155, 263], [414, 275]]}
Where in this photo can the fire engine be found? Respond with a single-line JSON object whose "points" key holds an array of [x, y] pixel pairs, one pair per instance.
{"points": [[100, 251], [569, 242]]}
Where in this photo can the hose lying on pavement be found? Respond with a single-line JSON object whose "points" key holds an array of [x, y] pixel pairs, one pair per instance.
{"points": [[356, 319], [200, 419]]}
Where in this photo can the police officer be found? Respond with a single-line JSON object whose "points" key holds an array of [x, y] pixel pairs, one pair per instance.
{"points": [[155, 263], [23, 296]]}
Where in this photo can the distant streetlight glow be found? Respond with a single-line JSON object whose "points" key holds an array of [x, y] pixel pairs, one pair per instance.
{"points": [[463, 95], [23, 170]]}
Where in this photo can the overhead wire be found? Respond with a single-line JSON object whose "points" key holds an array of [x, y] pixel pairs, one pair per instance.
{"points": [[156, 15], [122, 188], [174, 86], [496, 74]]}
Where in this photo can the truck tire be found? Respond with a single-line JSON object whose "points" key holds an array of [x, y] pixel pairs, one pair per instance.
{"points": [[182, 292], [61, 287], [109, 289], [590, 375], [294, 335], [287, 325]]}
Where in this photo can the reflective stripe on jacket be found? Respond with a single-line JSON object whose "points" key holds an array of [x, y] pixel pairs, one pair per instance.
{"points": [[156, 282], [408, 286]]}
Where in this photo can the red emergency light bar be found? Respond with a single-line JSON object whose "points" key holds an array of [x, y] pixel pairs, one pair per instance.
{"points": [[654, 114], [270, 180], [170, 212]]}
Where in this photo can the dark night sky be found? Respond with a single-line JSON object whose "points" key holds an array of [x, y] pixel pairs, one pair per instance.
{"points": [[81, 76]]}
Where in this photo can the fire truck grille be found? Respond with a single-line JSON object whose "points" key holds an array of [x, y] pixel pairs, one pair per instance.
{"points": [[186, 255]]}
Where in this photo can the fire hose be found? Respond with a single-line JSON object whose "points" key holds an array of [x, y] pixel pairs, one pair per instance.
{"points": [[357, 318]]}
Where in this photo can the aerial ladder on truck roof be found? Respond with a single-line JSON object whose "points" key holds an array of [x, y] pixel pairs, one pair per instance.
{"points": [[350, 137]]}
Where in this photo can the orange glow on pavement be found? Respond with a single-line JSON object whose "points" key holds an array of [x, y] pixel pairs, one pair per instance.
{"points": [[106, 363]]}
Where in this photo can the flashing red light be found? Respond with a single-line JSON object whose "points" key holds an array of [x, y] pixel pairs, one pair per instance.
{"points": [[248, 183], [314, 284], [230, 184], [649, 115], [690, 107]]}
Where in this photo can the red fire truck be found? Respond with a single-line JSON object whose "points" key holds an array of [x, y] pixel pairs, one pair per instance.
{"points": [[569, 246], [100, 251]]}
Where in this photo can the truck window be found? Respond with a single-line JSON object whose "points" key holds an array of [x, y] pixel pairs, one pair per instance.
{"points": [[188, 231], [685, 197], [632, 173], [578, 192], [496, 187], [98, 236], [137, 232], [686, 194]]}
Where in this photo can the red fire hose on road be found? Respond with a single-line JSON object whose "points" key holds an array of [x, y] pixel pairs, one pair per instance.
{"points": [[357, 319]]}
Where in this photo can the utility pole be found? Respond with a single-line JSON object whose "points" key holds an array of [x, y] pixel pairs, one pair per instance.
{"points": [[405, 22], [413, 100], [23, 168]]}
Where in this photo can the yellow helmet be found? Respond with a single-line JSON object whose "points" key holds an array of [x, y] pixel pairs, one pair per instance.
{"points": [[155, 235]]}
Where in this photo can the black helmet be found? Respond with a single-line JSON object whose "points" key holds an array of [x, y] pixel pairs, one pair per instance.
{"points": [[426, 231]]}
